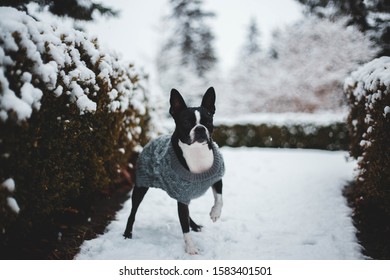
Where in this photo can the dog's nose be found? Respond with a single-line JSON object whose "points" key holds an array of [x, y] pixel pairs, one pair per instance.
{"points": [[200, 130], [200, 134]]}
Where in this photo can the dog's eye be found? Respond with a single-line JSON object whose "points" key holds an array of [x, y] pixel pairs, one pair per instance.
{"points": [[209, 121], [187, 124]]}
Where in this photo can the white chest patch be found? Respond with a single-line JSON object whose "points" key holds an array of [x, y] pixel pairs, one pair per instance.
{"points": [[198, 156]]}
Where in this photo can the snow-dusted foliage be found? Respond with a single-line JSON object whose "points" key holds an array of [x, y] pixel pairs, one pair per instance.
{"points": [[38, 58], [84, 10], [71, 116], [368, 92], [309, 63]]}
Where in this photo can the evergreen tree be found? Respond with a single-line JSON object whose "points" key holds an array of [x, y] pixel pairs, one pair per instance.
{"points": [[187, 59], [356, 10], [252, 44], [76, 9], [370, 16], [193, 36]]}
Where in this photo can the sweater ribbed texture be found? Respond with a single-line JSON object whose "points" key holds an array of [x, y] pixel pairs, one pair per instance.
{"points": [[159, 167]]}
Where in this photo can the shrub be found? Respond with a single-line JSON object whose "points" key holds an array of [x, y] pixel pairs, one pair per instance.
{"points": [[368, 92], [292, 131], [71, 116]]}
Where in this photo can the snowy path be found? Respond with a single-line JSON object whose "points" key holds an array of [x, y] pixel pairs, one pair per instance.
{"points": [[278, 204]]}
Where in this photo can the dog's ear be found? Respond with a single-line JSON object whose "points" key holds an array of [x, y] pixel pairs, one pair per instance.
{"points": [[208, 101], [177, 103]]}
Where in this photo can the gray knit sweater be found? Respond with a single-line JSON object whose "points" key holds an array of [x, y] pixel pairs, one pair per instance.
{"points": [[159, 167]]}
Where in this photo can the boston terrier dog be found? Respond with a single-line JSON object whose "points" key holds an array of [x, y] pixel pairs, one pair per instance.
{"points": [[185, 164]]}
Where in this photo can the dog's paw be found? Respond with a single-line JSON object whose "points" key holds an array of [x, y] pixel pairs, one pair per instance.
{"points": [[190, 246], [215, 213], [128, 235], [192, 250]]}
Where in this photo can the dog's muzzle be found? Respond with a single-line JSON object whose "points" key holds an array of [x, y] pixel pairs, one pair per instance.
{"points": [[200, 134]]}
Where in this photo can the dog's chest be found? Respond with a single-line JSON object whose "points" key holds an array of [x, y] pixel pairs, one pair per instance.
{"points": [[198, 156]]}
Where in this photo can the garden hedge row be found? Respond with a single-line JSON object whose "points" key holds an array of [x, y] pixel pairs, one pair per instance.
{"points": [[368, 92], [71, 117], [332, 136]]}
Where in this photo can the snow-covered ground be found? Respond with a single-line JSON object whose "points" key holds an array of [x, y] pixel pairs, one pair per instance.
{"points": [[278, 204]]}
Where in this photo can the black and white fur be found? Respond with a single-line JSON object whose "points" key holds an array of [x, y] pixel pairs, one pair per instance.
{"points": [[191, 142]]}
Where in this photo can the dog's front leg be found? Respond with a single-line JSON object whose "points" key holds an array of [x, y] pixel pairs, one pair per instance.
{"points": [[217, 208], [184, 217]]}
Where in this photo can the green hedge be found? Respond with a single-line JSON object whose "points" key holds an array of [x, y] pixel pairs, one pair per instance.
{"points": [[329, 137], [368, 92], [71, 117]]}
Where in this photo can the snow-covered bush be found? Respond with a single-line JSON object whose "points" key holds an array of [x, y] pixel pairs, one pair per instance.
{"points": [[71, 116], [368, 92], [309, 63]]}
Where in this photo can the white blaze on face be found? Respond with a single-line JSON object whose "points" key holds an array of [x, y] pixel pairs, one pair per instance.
{"points": [[198, 156], [197, 124], [197, 117]]}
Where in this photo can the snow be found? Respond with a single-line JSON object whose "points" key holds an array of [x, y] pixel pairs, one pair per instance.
{"points": [[370, 77], [9, 184], [31, 95], [386, 111], [9, 101], [13, 204], [278, 204]]}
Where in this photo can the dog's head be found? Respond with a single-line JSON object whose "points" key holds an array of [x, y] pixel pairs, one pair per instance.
{"points": [[193, 124]]}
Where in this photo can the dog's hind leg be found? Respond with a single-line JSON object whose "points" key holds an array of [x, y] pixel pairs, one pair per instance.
{"points": [[184, 217], [136, 199]]}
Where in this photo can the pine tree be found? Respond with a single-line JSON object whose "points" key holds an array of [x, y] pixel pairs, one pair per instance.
{"points": [[252, 44], [356, 10], [187, 59], [76, 9], [192, 35]]}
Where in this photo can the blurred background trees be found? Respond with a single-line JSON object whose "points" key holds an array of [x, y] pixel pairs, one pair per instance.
{"points": [[369, 16], [187, 57]]}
